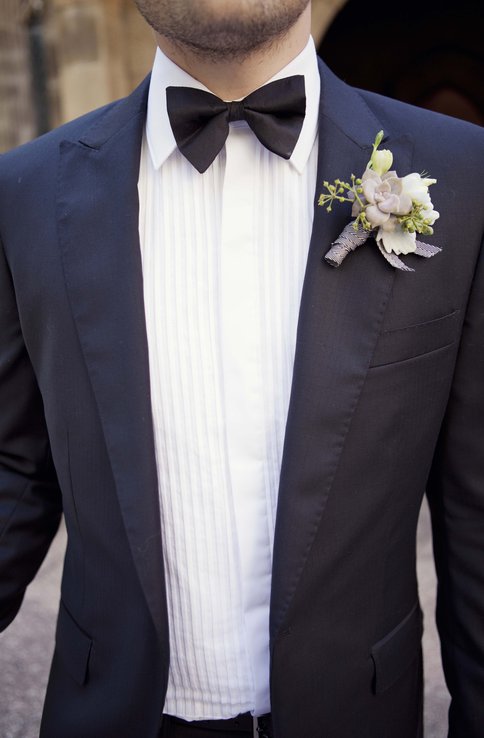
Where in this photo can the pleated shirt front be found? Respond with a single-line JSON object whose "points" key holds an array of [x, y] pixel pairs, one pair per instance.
{"points": [[224, 255]]}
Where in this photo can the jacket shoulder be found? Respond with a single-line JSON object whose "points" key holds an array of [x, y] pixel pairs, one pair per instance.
{"points": [[28, 174], [433, 129], [41, 149]]}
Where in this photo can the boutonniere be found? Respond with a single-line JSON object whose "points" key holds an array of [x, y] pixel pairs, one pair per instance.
{"points": [[390, 208]]}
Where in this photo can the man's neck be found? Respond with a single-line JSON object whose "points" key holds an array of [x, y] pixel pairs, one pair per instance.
{"points": [[232, 80]]}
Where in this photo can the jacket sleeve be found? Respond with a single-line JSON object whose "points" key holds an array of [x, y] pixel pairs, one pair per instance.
{"points": [[30, 499], [456, 496]]}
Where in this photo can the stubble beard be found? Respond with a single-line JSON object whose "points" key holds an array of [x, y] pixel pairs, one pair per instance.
{"points": [[229, 35]]}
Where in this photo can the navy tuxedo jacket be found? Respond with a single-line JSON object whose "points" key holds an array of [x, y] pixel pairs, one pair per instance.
{"points": [[387, 401]]}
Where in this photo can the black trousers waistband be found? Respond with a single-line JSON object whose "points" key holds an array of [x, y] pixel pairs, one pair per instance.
{"points": [[242, 726]]}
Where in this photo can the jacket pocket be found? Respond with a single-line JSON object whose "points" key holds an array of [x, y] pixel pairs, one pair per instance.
{"points": [[416, 340], [73, 646], [394, 653]]}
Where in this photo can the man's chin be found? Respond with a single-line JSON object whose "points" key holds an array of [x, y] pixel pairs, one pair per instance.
{"points": [[227, 49], [222, 29]]}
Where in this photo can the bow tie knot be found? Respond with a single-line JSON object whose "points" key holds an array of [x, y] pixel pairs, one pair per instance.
{"points": [[236, 110], [200, 121]]}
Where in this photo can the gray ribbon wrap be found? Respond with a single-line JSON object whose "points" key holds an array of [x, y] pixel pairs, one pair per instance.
{"points": [[349, 240]]}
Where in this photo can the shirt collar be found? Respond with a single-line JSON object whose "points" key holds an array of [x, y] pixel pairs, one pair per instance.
{"points": [[160, 138]]}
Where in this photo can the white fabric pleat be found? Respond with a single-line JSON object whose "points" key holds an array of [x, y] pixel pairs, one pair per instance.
{"points": [[224, 255]]}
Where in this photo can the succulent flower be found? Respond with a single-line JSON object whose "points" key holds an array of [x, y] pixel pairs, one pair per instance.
{"points": [[382, 197], [392, 208]]}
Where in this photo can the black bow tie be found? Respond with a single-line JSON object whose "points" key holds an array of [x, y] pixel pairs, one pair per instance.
{"points": [[200, 120]]}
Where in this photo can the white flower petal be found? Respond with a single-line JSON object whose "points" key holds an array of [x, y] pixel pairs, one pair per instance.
{"points": [[397, 241], [381, 161], [417, 188], [431, 215]]}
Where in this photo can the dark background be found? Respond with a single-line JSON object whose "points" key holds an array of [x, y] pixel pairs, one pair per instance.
{"points": [[426, 52]]}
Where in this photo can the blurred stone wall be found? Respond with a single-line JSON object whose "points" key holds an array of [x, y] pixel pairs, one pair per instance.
{"points": [[103, 50], [17, 114], [61, 58]]}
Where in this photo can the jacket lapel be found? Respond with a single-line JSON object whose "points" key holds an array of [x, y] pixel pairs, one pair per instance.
{"points": [[98, 233], [340, 317]]}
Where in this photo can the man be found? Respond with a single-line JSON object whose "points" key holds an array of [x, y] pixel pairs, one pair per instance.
{"points": [[150, 295]]}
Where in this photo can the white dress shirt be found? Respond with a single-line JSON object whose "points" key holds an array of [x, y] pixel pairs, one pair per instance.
{"points": [[224, 255]]}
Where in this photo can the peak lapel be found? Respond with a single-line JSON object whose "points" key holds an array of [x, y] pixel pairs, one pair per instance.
{"points": [[98, 232], [339, 321]]}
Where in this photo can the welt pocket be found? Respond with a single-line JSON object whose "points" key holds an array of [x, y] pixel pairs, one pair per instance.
{"points": [[394, 653], [73, 646], [415, 340]]}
